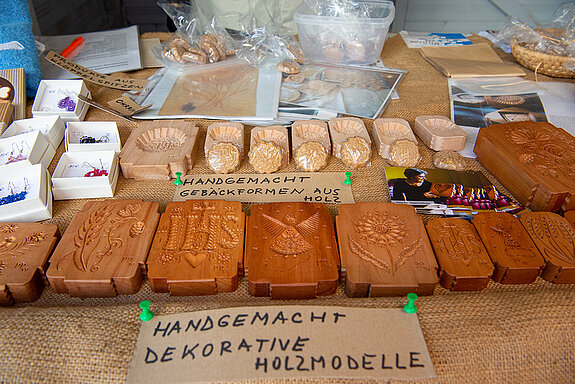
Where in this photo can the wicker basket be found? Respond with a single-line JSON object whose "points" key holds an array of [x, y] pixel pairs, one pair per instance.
{"points": [[543, 63]]}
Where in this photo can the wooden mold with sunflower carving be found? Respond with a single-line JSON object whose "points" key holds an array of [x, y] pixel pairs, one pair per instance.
{"points": [[24, 252], [198, 248], [104, 250], [291, 251], [384, 250], [534, 161]]}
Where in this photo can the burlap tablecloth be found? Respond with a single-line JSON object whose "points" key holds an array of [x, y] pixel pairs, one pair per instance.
{"points": [[505, 334]]}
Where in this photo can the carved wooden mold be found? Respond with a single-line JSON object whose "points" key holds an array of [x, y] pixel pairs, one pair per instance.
{"points": [[388, 131], [24, 252], [311, 145], [103, 251], [384, 250], [291, 251], [439, 133], [516, 258], [198, 248], [224, 146], [464, 264], [269, 148], [158, 149], [350, 140]]}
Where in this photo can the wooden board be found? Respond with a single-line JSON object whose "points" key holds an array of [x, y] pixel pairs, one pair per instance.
{"points": [[24, 252], [464, 264], [570, 216], [156, 150], [534, 161], [198, 248], [384, 250], [555, 239], [103, 251], [291, 251], [439, 133], [516, 258]]}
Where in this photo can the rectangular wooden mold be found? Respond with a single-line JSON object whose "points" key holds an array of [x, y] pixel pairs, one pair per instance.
{"points": [[314, 156], [291, 251], [388, 131], [156, 150], [342, 128], [534, 161], [555, 239], [516, 258], [6, 115], [198, 248], [384, 250], [274, 133], [440, 133], [24, 252], [227, 158], [104, 249], [464, 264]]}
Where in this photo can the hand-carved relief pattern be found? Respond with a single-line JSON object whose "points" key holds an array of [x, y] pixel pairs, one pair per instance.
{"points": [[545, 150], [384, 230], [11, 246], [557, 236], [459, 242], [513, 246]]}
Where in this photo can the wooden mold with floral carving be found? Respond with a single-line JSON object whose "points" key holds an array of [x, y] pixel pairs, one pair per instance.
{"points": [[384, 250], [104, 250], [198, 248], [24, 252]]}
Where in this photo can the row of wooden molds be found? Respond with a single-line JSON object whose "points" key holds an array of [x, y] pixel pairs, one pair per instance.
{"points": [[289, 251]]}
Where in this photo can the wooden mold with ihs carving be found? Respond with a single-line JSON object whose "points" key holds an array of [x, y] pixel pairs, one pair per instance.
{"points": [[291, 251], [464, 264], [555, 239], [516, 258], [156, 150], [534, 161], [198, 248], [384, 250], [24, 252], [104, 250]]}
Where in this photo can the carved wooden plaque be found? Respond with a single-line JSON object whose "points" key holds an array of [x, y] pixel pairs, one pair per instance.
{"points": [[198, 248], [570, 216], [555, 239], [534, 161], [24, 252], [464, 264], [291, 251], [158, 149], [104, 250], [516, 258], [384, 250]]}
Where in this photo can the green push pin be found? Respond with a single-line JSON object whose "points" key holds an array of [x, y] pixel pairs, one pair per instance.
{"points": [[178, 179], [347, 180], [410, 306], [146, 314]]}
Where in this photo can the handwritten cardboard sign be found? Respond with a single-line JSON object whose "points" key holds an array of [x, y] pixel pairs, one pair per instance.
{"points": [[126, 106], [324, 187], [280, 342], [123, 83]]}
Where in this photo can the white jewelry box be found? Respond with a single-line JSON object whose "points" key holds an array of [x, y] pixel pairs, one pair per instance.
{"points": [[35, 200], [60, 97], [104, 133], [25, 150], [77, 175], [52, 127]]}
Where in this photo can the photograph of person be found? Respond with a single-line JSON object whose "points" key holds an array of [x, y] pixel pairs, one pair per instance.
{"points": [[414, 187]]}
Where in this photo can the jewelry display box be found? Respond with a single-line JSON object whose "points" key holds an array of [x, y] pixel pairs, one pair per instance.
{"points": [[84, 175], [60, 97], [92, 136], [24, 150], [25, 195], [52, 127]]}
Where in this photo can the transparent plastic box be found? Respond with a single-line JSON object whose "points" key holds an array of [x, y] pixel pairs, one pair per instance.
{"points": [[345, 39]]}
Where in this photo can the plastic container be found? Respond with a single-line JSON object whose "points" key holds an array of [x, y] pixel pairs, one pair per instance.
{"points": [[345, 39]]}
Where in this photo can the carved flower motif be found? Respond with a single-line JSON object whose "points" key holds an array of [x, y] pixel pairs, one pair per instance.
{"points": [[9, 228], [137, 228], [380, 228], [129, 210], [530, 139], [527, 158], [37, 237]]}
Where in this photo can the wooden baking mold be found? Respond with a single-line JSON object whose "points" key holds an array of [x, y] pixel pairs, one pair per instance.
{"points": [[384, 250], [388, 131], [269, 148], [158, 149], [555, 239], [6, 115], [311, 145], [24, 252], [104, 250], [534, 161], [291, 251], [570, 216], [516, 258], [198, 248], [464, 264], [440, 133], [350, 140], [224, 146]]}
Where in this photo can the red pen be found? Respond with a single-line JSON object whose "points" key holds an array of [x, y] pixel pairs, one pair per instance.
{"points": [[77, 41]]}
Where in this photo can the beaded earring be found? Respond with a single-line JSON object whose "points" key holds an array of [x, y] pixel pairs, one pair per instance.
{"points": [[95, 171], [67, 104], [16, 149], [13, 197]]}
